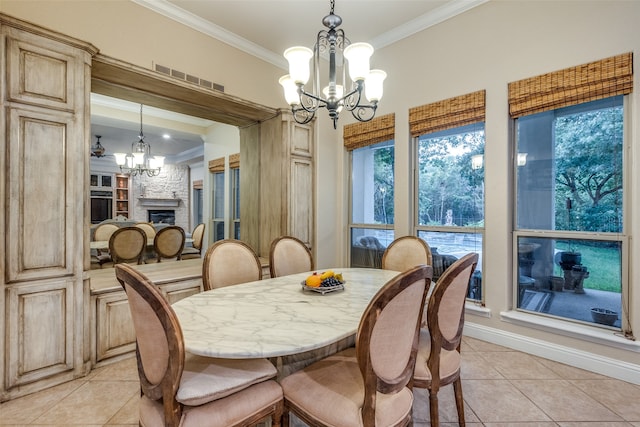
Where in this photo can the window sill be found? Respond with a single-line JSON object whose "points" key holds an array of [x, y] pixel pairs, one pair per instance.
{"points": [[592, 334], [476, 309]]}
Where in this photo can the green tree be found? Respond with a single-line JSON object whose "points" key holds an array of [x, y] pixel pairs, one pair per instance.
{"points": [[447, 183], [589, 170]]}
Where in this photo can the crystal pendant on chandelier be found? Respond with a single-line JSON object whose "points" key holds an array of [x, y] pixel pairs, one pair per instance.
{"points": [[139, 161], [332, 96]]}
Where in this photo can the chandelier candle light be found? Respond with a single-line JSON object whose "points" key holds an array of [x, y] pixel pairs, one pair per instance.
{"points": [[139, 161], [334, 43]]}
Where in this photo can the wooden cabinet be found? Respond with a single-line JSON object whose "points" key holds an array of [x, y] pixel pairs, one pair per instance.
{"points": [[278, 158], [43, 159], [122, 195], [112, 334]]}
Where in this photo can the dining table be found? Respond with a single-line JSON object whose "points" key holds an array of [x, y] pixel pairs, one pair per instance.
{"points": [[278, 318]]}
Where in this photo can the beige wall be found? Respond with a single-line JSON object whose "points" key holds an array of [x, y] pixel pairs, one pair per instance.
{"points": [[484, 48], [133, 33]]}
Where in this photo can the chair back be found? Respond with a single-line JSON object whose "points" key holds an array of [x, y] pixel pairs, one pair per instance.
{"points": [[169, 242], [406, 252], [445, 311], [289, 255], [127, 244], [103, 232], [160, 345], [229, 262], [148, 229], [198, 235], [387, 338]]}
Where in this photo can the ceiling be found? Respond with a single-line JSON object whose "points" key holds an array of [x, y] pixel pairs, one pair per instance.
{"points": [[263, 28]]}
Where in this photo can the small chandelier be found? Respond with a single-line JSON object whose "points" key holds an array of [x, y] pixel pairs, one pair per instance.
{"points": [[98, 149], [139, 161], [305, 104]]}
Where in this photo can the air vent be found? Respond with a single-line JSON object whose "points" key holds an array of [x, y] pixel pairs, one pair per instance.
{"points": [[188, 77]]}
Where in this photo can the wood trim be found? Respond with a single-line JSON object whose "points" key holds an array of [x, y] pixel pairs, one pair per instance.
{"points": [[120, 79]]}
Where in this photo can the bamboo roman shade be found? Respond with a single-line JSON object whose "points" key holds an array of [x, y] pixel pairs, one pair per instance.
{"points": [[234, 161], [358, 135], [216, 165], [447, 114], [588, 82], [198, 184]]}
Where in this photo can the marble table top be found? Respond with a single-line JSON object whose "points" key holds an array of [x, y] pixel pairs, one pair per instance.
{"points": [[276, 317]]}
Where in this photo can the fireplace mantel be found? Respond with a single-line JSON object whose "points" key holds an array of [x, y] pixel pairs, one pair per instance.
{"points": [[159, 203]]}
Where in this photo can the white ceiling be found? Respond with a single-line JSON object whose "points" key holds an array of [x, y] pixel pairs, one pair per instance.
{"points": [[265, 28]]}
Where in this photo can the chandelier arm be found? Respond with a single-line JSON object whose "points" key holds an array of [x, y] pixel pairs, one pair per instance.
{"points": [[301, 115], [364, 113]]}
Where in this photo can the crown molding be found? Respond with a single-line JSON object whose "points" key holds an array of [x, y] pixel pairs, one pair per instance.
{"points": [[163, 7], [167, 9], [422, 22]]}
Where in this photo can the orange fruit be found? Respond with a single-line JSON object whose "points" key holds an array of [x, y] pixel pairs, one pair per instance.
{"points": [[313, 281]]}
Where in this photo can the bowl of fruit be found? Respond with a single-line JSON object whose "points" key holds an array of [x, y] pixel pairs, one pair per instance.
{"points": [[323, 283]]}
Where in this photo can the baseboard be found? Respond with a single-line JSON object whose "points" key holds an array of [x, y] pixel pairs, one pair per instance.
{"points": [[580, 359]]}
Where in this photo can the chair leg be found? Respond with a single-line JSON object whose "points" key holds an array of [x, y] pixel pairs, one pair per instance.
{"points": [[285, 418], [457, 389], [433, 409], [277, 417]]}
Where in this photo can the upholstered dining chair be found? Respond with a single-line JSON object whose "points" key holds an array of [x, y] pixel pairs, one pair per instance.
{"points": [[367, 385], [127, 244], [195, 250], [169, 243], [289, 255], [406, 252], [180, 389], [438, 360], [103, 233], [229, 262], [148, 229]]}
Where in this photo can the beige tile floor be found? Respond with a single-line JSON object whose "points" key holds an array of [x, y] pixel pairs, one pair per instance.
{"points": [[502, 388]]}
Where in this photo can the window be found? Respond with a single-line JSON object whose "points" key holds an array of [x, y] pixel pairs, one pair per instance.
{"points": [[198, 200], [372, 189], [569, 170], [234, 165], [449, 152], [216, 167]]}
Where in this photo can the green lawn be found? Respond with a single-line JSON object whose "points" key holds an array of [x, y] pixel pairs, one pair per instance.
{"points": [[603, 264]]}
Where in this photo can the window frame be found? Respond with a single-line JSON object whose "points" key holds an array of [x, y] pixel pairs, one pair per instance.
{"points": [[623, 236], [417, 228]]}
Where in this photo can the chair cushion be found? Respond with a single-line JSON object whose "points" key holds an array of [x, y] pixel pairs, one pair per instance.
{"points": [[207, 379], [219, 413], [331, 392], [449, 360]]}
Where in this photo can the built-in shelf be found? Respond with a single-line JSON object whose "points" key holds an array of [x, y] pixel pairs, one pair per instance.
{"points": [[165, 203]]}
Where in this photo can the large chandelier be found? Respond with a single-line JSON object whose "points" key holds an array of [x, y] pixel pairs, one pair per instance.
{"points": [[139, 162], [334, 43]]}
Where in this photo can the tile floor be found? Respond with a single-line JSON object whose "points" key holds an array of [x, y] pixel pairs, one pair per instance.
{"points": [[502, 388]]}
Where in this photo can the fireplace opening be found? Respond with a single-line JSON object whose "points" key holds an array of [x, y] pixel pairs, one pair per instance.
{"points": [[162, 216]]}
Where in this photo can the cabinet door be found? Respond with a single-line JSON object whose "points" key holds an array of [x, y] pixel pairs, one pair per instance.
{"points": [[115, 334], [40, 225], [41, 333], [41, 72], [301, 200]]}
